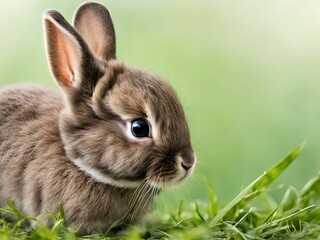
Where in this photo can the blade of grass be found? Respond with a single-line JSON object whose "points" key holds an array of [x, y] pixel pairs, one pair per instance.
{"points": [[263, 181], [275, 222], [61, 211], [236, 230], [198, 212], [311, 186], [271, 215], [235, 201], [213, 207], [277, 169], [57, 224], [241, 219], [15, 210], [181, 208]]}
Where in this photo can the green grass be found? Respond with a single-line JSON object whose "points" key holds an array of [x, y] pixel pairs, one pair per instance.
{"points": [[253, 214]]}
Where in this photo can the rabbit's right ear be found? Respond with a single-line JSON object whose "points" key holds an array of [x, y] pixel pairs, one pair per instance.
{"points": [[93, 21], [67, 52]]}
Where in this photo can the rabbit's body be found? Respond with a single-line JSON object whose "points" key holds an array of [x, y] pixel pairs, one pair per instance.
{"points": [[106, 146], [36, 173]]}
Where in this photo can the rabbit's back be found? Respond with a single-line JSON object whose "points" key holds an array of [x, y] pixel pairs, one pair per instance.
{"points": [[28, 123], [27, 103]]}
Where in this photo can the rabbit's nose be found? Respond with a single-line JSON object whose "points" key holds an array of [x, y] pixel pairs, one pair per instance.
{"points": [[186, 166], [188, 159]]}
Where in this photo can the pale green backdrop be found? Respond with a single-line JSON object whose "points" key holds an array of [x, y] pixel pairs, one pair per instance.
{"points": [[247, 73]]}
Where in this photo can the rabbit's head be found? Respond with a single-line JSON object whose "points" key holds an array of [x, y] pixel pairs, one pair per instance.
{"points": [[120, 125]]}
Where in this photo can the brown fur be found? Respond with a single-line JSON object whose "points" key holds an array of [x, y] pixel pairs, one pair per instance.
{"points": [[49, 140]]}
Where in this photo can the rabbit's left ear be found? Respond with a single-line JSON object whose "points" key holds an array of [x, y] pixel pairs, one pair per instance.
{"points": [[66, 50], [93, 22], [70, 59]]}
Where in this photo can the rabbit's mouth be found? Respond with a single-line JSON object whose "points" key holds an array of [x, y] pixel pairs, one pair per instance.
{"points": [[172, 178], [168, 182]]}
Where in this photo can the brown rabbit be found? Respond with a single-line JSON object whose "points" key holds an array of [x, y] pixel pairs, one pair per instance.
{"points": [[106, 146]]}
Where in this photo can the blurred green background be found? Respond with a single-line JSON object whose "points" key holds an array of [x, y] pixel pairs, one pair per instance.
{"points": [[247, 73]]}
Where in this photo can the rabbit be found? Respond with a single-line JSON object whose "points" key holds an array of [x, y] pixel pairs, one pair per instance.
{"points": [[105, 144]]}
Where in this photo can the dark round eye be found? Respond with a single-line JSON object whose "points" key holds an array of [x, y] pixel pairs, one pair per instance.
{"points": [[140, 128]]}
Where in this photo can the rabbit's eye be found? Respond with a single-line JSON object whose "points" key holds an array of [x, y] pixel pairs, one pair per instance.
{"points": [[140, 128]]}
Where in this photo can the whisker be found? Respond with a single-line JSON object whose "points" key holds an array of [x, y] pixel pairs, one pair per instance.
{"points": [[136, 193], [133, 200], [151, 194], [144, 199]]}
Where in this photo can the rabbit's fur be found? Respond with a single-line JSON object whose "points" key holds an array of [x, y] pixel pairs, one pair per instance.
{"points": [[76, 147]]}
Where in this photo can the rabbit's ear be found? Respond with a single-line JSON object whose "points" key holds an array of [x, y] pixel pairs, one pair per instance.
{"points": [[66, 50], [93, 22]]}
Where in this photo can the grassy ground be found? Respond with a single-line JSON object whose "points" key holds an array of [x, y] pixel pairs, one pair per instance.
{"points": [[253, 214]]}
